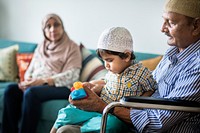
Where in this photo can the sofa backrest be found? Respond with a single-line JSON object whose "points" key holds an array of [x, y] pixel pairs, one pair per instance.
{"points": [[149, 60], [139, 55], [27, 47], [24, 47], [93, 67]]}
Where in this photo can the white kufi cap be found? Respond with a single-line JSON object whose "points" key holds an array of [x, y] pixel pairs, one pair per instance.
{"points": [[116, 39]]}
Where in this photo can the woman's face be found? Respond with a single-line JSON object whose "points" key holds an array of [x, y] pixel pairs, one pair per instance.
{"points": [[53, 30]]}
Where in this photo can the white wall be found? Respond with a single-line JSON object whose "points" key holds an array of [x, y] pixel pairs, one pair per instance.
{"points": [[84, 20]]}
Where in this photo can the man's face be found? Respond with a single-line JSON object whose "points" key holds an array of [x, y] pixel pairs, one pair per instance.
{"points": [[179, 30]]}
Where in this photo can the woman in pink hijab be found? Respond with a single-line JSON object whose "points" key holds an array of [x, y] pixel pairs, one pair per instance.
{"points": [[55, 66]]}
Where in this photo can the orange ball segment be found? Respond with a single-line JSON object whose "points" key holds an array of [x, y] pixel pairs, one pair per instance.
{"points": [[78, 85]]}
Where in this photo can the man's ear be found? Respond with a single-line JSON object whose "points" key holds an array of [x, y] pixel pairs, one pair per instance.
{"points": [[196, 25]]}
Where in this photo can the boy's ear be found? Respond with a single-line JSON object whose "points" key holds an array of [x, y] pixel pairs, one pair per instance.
{"points": [[128, 58]]}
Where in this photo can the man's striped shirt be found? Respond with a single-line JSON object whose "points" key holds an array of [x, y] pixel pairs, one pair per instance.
{"points": [[178, 77]]}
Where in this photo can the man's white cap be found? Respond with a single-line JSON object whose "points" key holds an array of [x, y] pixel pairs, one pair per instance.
{"points": [[116, 39]]}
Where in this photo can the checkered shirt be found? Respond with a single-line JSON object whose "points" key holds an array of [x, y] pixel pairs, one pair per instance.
{"points": [[133, 81]]}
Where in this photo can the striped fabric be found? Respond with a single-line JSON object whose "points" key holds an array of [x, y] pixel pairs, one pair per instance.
{"points": [[178, 77], [92, 67]]}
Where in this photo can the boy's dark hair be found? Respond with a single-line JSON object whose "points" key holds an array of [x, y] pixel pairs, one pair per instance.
{"points": [[121, 55]]}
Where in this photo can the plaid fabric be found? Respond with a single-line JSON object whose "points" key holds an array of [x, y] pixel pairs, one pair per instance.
{"points": [[134, 81]]}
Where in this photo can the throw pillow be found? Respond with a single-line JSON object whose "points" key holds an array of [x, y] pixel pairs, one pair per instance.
{"points": [[23, 61], [92, 66], [151, 63], [8, 64]]}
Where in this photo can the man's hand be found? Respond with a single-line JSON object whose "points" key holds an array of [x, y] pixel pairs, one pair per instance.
{"points": [[92, 103]]}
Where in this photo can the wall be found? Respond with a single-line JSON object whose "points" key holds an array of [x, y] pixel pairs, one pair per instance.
{"points": [[84, 20]]}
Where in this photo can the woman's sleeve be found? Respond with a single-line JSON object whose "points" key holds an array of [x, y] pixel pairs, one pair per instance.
{"points": [[29, 71], [72, 69], [67, 78]]}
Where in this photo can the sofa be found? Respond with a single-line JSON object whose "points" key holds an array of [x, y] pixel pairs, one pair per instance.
{"points": [[92, 68]]}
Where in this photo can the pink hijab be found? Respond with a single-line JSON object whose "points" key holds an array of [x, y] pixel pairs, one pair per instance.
{"points": [[61, 55]]}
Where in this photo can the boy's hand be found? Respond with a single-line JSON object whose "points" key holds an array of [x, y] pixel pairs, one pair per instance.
{"points": [[92, 103]]}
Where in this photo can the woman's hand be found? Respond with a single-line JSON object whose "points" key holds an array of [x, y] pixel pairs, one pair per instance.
{"points": [[30, 82], [92, 103]]}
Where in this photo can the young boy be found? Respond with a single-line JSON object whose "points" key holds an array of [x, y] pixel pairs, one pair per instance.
{"points": [[125, 77]]}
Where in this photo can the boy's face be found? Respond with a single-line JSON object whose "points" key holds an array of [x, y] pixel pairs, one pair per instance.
{"points": [[114, 63]]}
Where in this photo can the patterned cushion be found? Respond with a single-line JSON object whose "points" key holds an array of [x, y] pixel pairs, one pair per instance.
{"points": [[23, 61], [92, 66], [8, 64]]}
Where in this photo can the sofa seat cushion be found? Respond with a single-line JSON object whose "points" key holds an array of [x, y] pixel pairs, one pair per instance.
{"points": [[50, 109], [2, 89], [3, 85], [1, 104]]}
